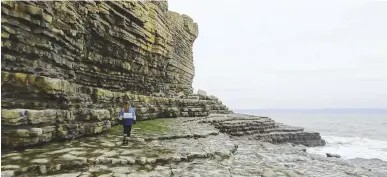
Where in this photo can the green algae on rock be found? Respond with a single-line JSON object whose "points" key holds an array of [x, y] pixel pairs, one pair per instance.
{"points": [[181, 154], [158, 125], [67, 67]]}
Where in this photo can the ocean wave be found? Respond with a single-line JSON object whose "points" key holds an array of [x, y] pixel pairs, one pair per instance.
{"points": [[332, 140], [353, 147]]}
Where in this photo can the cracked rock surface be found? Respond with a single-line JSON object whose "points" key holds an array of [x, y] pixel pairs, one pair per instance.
{"points": [[180, 147], [263, 129]]}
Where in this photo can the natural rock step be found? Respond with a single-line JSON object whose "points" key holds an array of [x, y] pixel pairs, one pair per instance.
{"points": [[279, 129], [263, 129], [244, 133], [249, 127], [182, 136], [244, 123], [305, 138], [218, 118], [242, 129]]}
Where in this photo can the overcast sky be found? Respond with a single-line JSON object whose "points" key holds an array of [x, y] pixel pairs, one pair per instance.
{"points": [[256, 54]]}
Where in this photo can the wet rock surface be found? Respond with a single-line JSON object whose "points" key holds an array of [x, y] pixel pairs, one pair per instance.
{"points": [[177, 147], [377, 165], [264, 129], [333, 155]]}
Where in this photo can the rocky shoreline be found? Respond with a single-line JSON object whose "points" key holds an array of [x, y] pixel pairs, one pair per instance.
{"points": [[68, 66], [206, 146]]}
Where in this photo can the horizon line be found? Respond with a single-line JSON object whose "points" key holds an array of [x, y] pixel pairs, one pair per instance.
{"points": [[305, 108], [314, 109]]}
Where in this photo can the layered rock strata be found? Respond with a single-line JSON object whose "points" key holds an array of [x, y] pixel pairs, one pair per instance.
{"points": [[67, 67], [264, 129], [176, 147]]}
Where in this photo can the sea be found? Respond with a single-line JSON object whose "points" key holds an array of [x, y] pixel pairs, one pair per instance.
{"points": [[348, 133]]}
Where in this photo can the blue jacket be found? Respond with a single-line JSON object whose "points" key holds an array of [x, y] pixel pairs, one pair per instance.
{"points": [[128, 121]]}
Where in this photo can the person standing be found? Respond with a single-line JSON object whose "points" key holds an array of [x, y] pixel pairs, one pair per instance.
{"points": [[128, 116]]}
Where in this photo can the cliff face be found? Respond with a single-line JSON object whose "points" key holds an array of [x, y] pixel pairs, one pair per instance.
{"points": [[68, 66]]}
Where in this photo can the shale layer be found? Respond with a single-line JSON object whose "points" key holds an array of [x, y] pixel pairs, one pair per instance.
{"points": [[68, 66]]}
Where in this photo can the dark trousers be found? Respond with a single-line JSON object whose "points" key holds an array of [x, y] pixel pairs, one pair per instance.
{"points": [[127, 130]]}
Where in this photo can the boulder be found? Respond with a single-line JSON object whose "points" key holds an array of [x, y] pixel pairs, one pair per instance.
{"points": [[333, 155], [202, 92]]}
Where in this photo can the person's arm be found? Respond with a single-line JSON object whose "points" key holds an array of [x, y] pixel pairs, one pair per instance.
{"points": [[134, 116], [121, 114]]}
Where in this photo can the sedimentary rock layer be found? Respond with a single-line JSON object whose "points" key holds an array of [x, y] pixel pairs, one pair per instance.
{"points": [[177, 147], [264, 129], [120, 46], [68, 66]]}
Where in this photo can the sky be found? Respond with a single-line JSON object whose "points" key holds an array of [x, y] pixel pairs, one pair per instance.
{"points": [[299, 54]]}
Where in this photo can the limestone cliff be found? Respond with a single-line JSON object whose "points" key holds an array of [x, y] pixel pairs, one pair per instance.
{"points": [[67, 67]]}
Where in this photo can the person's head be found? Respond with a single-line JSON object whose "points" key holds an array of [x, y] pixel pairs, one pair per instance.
{"points": [[126, 106]]}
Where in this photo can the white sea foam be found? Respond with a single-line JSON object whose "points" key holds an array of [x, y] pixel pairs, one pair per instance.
{"points": [[353, 147], [350, 134]]}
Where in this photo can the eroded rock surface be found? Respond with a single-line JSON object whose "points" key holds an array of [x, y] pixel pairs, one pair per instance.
{"points": [[177, 147], [263, 129], [67, 66]]}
